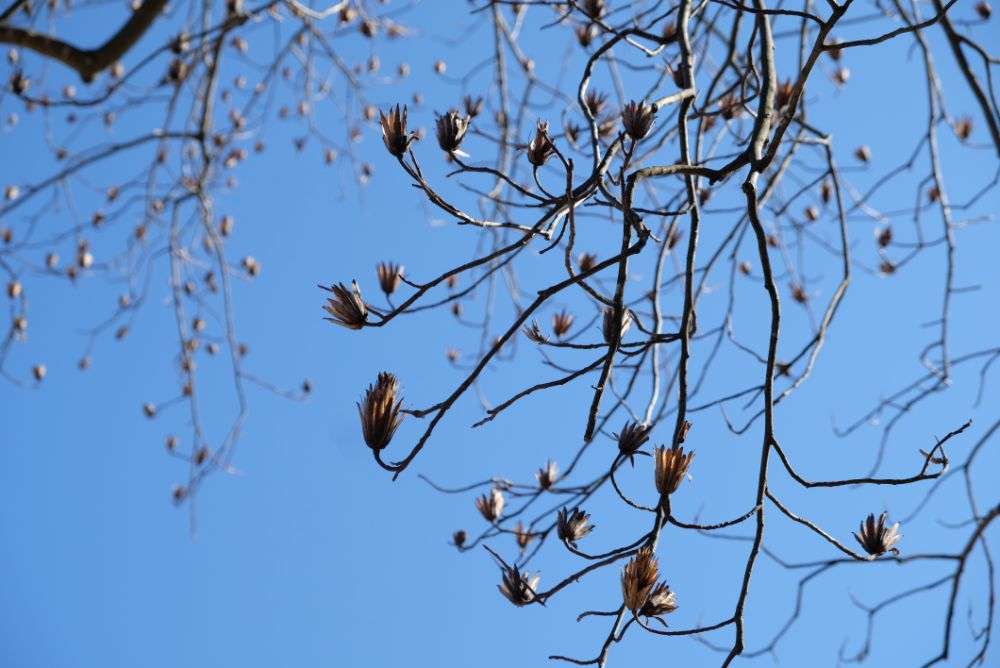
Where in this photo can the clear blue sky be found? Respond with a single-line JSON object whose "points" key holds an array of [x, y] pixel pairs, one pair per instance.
{"points": [[312, 556]]}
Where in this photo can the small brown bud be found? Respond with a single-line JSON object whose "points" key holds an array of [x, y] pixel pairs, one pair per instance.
{"points": [[884, 236], [963, 128]]}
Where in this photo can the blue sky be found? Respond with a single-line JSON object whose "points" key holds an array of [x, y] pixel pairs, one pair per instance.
{"points": [[312, 556]]}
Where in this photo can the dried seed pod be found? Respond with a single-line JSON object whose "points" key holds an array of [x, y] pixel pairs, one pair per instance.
{"points": [[876, 538], [379, 411], [522, 536], [490, 505], [637, 119], [561, 323], [670, 466], [450, 130], [632, 437], [394, 133], [540, 149], [661, 601], [638, 578], [547, 475], [517, 587], [346, 306], [572, 525], [389, 276]]}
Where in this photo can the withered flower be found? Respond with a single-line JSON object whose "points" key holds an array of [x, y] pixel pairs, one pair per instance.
{"points": [[886, 268], [670, 466], [451, 129], [389, 276], [490, 505], [595, 102], [458, 538], [863, 153], [572, 525], [984, 10], [379, 411], [522, 536], [607, 327], [346, 306], [547, 475], [632, 437], [638, 578], [540, 149], [517, 587], [661, 601], [586, 261], [39, 371], [473, 106], [637, 119], [876, 538], [394, 134], [561, 323]]}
